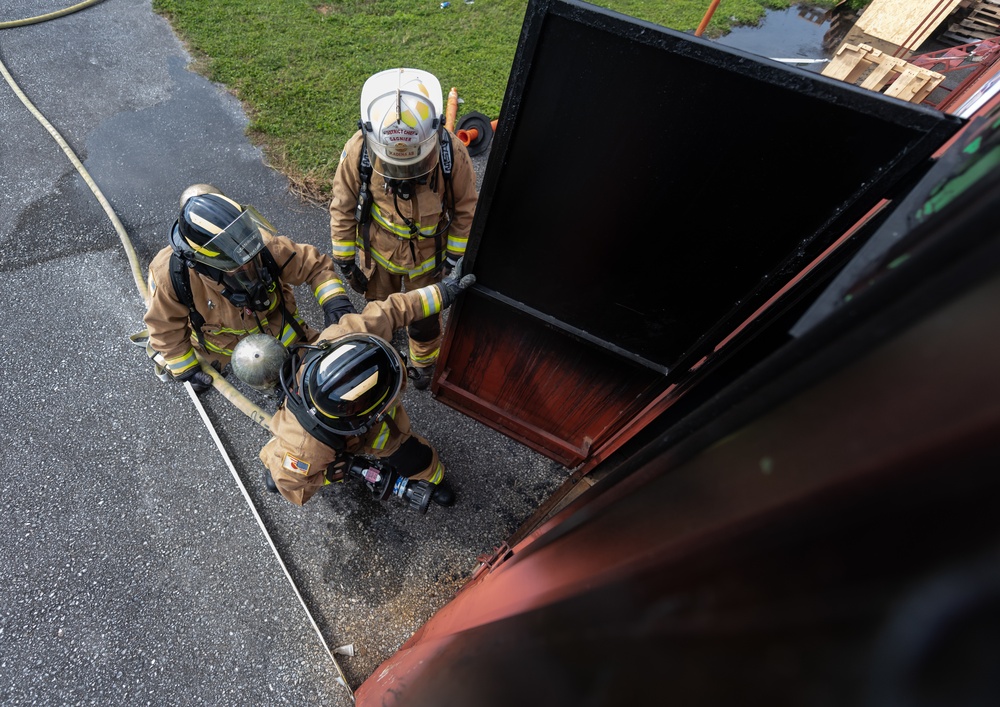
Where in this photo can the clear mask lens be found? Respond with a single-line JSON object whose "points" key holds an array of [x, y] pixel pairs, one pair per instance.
{"points": [[243, 239]]}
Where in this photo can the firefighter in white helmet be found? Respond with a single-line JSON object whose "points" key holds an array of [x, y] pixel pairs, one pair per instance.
{"points": [[403, 200]]}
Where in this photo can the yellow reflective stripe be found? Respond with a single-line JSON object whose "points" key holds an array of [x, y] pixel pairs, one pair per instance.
{"points": [[287, 335], [383, 433], [383, 437], [182, 363], [329, 288], [218, 349], [198, 249], [438, 475], [402, 230], [424, 267], [430, 300], [426, 359], [457, 244], [344, 250]]}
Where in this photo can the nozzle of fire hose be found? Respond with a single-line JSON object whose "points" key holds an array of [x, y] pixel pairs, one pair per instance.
{"points": [[385, 482]]}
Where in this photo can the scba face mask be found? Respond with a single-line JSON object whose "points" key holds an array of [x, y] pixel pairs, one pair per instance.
{"points": [[250, 286], [404, 188]]}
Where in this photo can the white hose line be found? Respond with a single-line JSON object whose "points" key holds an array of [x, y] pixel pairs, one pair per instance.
{"points": [[143, 290], [341, 678]]}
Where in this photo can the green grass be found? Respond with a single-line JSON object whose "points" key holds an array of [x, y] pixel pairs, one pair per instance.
{"points": [[298, 65]]}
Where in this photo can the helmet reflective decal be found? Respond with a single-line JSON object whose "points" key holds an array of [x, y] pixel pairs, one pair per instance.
{"points": [[332, 356], [206, 224], [362, 387]]}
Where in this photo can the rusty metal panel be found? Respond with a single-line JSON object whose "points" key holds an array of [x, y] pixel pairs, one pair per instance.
{"points": [[646, 192], [570, 395]]}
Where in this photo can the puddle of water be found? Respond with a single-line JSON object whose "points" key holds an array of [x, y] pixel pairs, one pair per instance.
{"points": [[795, 33]]}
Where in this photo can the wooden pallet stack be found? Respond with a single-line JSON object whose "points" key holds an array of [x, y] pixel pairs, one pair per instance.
{"points": [[981, 22], [878, 71]]}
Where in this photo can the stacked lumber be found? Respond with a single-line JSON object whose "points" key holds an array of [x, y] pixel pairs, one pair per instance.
{"points": [[982, 22], [873, 69]]}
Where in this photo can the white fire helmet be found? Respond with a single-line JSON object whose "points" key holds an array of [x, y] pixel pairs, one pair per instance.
{"points": [[401, 114]]}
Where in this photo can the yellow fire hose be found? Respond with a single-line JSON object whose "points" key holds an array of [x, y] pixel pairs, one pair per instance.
{"points": [[254, 412], [220, 384], [49, 16]]}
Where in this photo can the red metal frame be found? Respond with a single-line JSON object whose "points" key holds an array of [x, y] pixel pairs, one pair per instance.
{"points": [[975, 57]]}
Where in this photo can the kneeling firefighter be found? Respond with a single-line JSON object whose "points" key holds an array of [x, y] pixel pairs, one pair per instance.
{"points": [[342, 413], [226, 275]]}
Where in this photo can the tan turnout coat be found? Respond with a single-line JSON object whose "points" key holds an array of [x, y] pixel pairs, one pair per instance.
{"points": [[297, 460], [166, 318]]}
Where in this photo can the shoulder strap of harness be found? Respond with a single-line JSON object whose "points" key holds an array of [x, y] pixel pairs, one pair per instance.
{"points": [[275, 272], [447, 162], [363, 211], [180, 278]]}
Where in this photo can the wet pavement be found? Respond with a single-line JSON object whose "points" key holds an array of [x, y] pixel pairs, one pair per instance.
{"points": [[133, 569]]}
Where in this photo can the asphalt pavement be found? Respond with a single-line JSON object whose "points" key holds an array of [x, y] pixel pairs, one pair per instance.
{"points": [[133, 570]]}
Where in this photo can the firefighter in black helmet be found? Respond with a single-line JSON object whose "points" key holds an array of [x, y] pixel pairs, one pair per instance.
{"points": [[226, 275], [342, 400]]}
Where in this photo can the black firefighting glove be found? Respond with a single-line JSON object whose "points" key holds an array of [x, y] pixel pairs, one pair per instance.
{"points": [[199, 380], [336, 307], [454, 285], [450, 261], [355, 278]]}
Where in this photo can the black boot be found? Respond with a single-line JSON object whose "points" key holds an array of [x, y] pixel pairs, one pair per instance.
{"points": [[269, 482], [421, 377], [443, 494]]}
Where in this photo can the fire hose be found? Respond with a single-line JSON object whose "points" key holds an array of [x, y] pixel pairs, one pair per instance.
{"points": [[218, 382]]}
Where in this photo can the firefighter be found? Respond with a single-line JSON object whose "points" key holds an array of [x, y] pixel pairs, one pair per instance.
{"points": [[227, 274], [405, 194], [342, 400]]}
